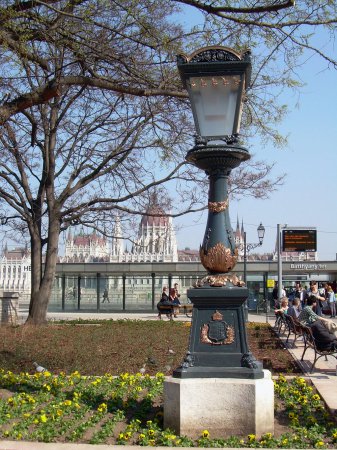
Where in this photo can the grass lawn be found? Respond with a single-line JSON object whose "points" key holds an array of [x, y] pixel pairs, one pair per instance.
{"points": [[115, 347]]}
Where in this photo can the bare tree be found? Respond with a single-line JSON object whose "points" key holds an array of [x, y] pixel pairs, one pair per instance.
{"points": [[94, 116]]}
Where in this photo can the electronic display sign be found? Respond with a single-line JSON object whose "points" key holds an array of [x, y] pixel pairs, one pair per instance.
{"points": [[299, 240]]}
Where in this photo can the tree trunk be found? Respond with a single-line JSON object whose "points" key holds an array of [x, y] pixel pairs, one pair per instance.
{"points": [[42, 281]]}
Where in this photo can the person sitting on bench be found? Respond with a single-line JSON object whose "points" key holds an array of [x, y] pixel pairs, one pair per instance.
{"points": [[166, 304], [325, 340]]}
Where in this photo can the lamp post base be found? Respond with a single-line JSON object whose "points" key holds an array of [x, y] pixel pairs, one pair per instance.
{"points": [[225, 407], [218, 345]]}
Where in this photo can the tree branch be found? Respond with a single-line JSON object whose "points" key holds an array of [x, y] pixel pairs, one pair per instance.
{"points": [[220, 10]]}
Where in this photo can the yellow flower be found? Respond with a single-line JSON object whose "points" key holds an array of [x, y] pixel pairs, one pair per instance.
{"points": [[46, 374], [141, 436], [102, 407], [152, 442], [251, 437], [319, 444], [67, 402], [205, 434], [43, 418], [150, 432]]}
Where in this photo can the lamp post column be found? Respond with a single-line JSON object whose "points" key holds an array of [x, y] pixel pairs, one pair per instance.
{"points": [[218, 343], [245, 258], [219, 384]]}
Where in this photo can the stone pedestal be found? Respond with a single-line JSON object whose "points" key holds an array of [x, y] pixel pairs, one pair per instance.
{"points": [[9, 307], [224, 406]]}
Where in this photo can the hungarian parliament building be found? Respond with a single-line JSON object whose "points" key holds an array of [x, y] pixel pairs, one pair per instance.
{"points": [[155, 242]]}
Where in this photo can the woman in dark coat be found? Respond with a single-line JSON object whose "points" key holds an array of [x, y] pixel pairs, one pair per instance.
{"points": [[165, 301]]}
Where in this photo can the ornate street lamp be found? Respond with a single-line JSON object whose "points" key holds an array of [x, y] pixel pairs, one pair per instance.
{"points": [[216, 79], [248, 247]]}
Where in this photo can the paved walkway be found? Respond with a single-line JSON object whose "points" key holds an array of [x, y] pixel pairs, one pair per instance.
{"points": [[324, 376]]}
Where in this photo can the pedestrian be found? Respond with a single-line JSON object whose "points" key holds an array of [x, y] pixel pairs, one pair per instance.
{"points": [[332, 301], [277, 302], [301, 294], [105, 296], [313, 290]]}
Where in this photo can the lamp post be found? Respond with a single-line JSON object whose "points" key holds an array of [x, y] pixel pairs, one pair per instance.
{"points": [[219, 386], [248, 247], [216, 79]]}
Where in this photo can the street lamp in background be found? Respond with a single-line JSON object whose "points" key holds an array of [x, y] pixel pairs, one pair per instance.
{"points": [[207, 389], [248, 247]]}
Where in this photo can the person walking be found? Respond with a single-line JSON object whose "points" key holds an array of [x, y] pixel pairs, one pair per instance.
{"points": [[313, 290], [301, 294], [331, 301], [105, 296]]}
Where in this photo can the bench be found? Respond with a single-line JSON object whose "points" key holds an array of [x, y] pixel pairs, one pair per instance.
{"points": [[187, 309], [294, 327], [165, 309], [280, 322], [310, 342]]}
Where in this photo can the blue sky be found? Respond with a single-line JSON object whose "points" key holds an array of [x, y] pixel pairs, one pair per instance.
{"points": [[308, 196]]}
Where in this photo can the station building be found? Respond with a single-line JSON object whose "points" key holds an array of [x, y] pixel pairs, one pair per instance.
{"points": [[138, 286]]}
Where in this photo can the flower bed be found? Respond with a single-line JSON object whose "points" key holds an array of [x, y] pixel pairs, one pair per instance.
{"points": [[128, 410]]}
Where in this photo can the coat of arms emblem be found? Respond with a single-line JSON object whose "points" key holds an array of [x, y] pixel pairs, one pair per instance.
{"points": [[217, 331]]}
